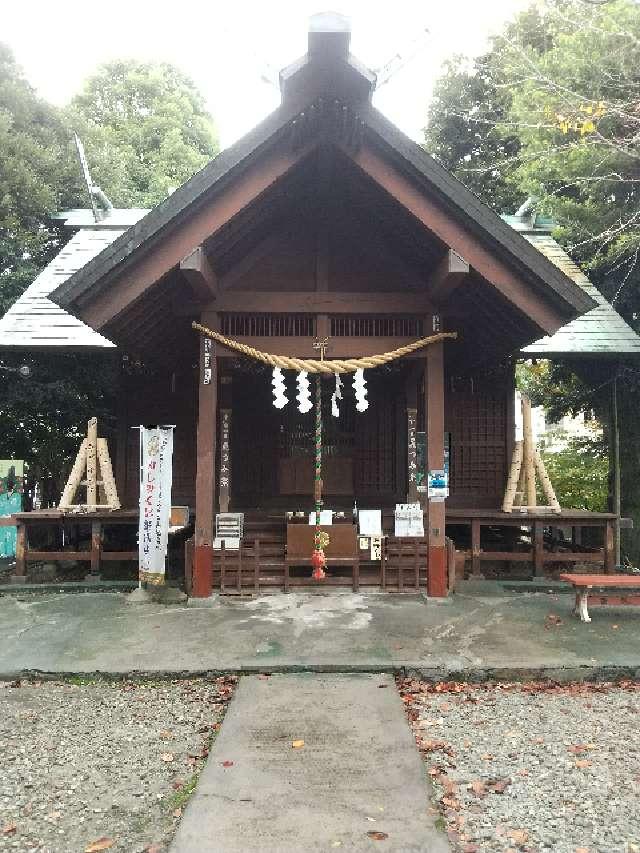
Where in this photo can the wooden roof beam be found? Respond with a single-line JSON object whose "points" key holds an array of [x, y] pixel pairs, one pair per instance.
{"points": [[448, 275], [200, 275], [437, 221]]}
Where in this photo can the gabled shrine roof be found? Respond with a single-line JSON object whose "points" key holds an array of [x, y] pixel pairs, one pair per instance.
{"points": [[328, 75], [601, 331], [34, 320]]}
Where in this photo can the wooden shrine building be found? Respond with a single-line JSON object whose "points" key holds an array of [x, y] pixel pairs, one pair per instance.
{"points": [[325, 221]]}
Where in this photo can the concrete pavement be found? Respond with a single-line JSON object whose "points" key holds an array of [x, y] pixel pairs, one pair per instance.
{"points": [[357, 773], [482, 632]]}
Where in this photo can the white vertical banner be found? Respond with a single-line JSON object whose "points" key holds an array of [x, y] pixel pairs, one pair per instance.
{"points": [[156, 448]]}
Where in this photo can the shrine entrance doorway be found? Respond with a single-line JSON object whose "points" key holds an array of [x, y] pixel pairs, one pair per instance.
{"points": [[364, 454]]}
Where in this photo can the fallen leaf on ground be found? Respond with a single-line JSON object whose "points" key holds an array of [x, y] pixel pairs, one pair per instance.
{"points": [[152, 848], [582, 850], [166, 735], [478, 788], [499, 786], [538, 740], [227, 763], [264, 677], [177, 812], [102, 843], [470, 848], [487, 757], [520, 836], [9, 828], [376, 835], [297, 744], [167, 757], [582, 763]]}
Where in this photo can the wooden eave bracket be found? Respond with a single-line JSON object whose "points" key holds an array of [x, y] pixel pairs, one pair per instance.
{"points": [[200, 275], [448, 275]]}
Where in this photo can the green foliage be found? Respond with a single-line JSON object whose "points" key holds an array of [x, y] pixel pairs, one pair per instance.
{"points": [[32, 140], [145, 131], [557, 95], [44, 417], [152, 116], [579, 474]]}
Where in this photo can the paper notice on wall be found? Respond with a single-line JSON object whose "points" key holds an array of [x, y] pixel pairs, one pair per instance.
{"points": [[156, 447], [409, 520], [370, 522], [326, 517]]}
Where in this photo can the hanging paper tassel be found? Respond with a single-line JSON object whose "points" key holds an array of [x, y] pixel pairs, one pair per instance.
{"points": [[337, 395], [304, 395], [360, 388], [279, 390]]}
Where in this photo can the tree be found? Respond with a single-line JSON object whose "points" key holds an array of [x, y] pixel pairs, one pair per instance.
{"points": [[145, 131], [33, 140], [557, 96], [154, 119], [579, 474]]}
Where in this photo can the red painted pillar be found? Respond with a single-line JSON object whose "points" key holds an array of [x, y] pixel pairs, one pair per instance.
{"points": [[205, 465], [434, 423]]}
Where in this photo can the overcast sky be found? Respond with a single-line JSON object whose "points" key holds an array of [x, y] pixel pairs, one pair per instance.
{"points": [[225, 47]]}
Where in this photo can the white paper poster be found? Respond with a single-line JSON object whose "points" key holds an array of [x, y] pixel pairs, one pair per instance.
{"points": [[156, 448]]}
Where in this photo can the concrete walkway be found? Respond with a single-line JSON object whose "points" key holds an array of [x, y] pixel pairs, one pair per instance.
{"points": [[358, 772], [483, 632]]}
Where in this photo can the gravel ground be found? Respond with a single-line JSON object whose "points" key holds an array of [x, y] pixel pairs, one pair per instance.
{"points": [[102, 766], [532, 767]]}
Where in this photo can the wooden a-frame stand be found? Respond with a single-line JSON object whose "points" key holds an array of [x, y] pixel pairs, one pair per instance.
{"points": [[93, 455], [526, 462]]}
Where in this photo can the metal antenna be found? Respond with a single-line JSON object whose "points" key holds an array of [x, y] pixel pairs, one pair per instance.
{"points": [[93, 189], [87, 176], [401, 58]]}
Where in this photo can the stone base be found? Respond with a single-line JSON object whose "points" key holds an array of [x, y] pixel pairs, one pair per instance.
{"points": [[169, 595], [18, 579], [139, 596], [92, 578], [209, 601]]}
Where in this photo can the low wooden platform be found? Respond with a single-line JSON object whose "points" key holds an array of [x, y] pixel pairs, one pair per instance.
{"points": [[537, 554], [95, 555]]}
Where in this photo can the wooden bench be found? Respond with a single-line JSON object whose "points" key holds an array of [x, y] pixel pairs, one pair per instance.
{"points": [[609, 589]]}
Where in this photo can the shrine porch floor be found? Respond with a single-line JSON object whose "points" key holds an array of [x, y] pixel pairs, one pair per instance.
{"points": [[480, 632]]}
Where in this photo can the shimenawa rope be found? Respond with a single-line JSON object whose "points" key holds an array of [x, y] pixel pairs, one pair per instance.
{"points": [[311, 365]]}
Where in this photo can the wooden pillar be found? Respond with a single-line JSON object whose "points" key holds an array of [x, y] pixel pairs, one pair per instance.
{"points": [[475, 547], [615, 464], [21, 550], [609, 547], [411, 396], [96, 549], [205, 465], [434, 427], [224, 489], [538, 548], [122, 437]]}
